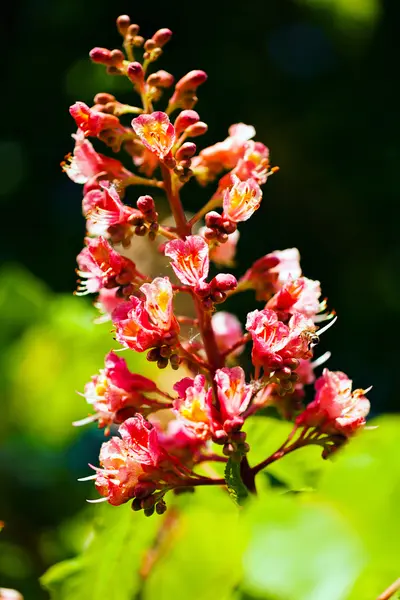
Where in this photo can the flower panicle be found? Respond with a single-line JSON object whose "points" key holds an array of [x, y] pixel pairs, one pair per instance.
{"points": [[158, 438]]}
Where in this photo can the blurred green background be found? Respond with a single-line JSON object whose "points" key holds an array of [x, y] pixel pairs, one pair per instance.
{"points": [[317, 80]]}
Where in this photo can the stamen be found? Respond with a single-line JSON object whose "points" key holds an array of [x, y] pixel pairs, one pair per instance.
{"points": [[321, 331], [85, 421], [321, 360], [98, 501], [88, 478]]}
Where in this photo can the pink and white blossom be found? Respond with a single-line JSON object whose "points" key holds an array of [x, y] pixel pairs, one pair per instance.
{"points": [[156, 133], [190, 259]]}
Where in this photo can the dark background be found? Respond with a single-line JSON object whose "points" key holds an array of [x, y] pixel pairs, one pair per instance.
{"points": [[318, 80]]}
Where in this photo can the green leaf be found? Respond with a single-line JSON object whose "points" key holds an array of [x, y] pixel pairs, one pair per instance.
{"points": [[110, 567], [236, 488], [200, 556], [299, 551], [363, 484]]}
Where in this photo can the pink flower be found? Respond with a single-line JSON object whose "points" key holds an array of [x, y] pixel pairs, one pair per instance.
{"points": [[276, 344], [102, 267], [241, 200], [225, 155], [128, 460], [234, 397], [103, 209], [179, 440], [156, 133], [86, 164], [254, 163], [193, 406], [90, 121], [190, 259], [227, 330], [141, 325], [335, 409], [270, 272], [106, 302], [115, 392], [224, 253], [297, 295], [196, 409]]}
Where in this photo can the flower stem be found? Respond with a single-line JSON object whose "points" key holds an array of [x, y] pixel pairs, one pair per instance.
{"points": [[211, 204], [248, 475], [392, 589], [182, 227]]}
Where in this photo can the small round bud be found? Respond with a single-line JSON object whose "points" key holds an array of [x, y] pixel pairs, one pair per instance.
{"points": [[146, 204], [135, 73], [165, 351], [123, 22], [175, 361], [138, 41], [136, 504], [187, 150], [101, 56], [150, 45], [148, 512], [141, 230], [153, 355], [104, 98], [117, 58], [185, 119], [160, 79], [197, 129], [162, 36], [161, 507], [133, 30], [162, 363], [228, 449]]}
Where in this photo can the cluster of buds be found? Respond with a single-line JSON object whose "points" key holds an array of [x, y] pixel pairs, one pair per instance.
{"points": [[161, 439]]}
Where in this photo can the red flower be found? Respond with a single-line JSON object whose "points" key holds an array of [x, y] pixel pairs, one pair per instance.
{"points": [[116, 389], [335, 409], [242, 199], [276, 344], [144, 324], [90, 121], [103, 208], [190, 259], [102, 267]]}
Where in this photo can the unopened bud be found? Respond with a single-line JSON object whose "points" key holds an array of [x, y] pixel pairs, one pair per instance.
{"points": [[160, 79], [133, 30], [162, 362], [101, 56], [185, 119], [161, 507], [117, 58], [148, 512], [138, 41], [135, 73], [197, 129], [104, 98], [191, 81], [165, 351], [153, 355], [150, 45], [186, 151], [141, 230], [162, 36], [224, 282], [146, 204], [123, 22]]}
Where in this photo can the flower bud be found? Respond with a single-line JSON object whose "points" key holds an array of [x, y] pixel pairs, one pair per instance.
{"points": [[160, 79], [103, 98], [197, 129], [150, 45], [146, 204], [101, 56], [123, 22], [161, 507], [138, 41], [186, 151], [133, 30], [135, 73], [185, 119], [117, 58], [191, 81], [224, 282], [213, 219], [162, 36], [144, 489]]}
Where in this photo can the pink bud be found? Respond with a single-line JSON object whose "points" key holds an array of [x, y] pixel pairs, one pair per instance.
{"points": [[135, 73], [197, 129], [146, 204], [186, 151], [185, 119], [117, 58], [162, 36], [123, 22], [224, 282], [101, 56], [160, 79], [191, 81], [213, 219]]}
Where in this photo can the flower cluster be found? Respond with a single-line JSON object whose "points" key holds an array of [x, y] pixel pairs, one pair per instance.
{"points": [[160, 439]]}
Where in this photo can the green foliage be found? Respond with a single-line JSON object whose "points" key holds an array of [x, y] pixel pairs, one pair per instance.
{"points": [[337, 543]]}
